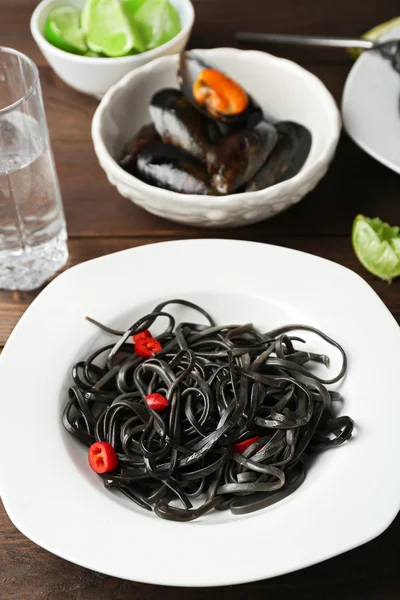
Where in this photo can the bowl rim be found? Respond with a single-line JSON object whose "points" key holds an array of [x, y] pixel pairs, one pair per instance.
{"points": [[109, 164], [46, 5]]}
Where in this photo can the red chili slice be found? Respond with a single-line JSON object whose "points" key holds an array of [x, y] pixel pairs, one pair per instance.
{"points": [[147, 347], [102, 457], [157, 402], [240, 447], [143, 335]]}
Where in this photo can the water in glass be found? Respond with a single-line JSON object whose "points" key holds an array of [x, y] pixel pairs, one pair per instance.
{"points": [[32, 226]]}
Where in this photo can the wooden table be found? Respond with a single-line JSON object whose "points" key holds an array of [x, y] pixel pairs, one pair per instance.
{"points": [[100, 222]]}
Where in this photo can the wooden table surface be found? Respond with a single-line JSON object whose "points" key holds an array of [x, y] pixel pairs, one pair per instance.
{"points": [[100, 222]]}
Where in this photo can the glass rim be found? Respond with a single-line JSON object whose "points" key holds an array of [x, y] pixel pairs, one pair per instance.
{"points": [[28, 93]]}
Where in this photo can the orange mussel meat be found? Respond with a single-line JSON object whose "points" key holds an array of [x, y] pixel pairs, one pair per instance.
{"points": [[219, 93]]}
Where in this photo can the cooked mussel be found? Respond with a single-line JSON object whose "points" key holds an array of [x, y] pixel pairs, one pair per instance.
{"points": [[180, 124], [171, 168], [237, 157], [288, 157], [252, 119], [212, 91], [144, 137]]}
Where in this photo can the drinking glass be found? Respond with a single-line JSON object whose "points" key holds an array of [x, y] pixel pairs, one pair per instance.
{"points": [[33, 238]]}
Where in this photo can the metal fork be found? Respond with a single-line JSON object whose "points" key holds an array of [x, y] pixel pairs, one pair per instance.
{"points": [[389, 49]]}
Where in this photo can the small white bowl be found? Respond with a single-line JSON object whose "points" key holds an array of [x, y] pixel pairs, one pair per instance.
{"points": [[94, 76], [284, 90]]}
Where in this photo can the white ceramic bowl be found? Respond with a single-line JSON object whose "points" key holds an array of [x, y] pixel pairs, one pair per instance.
{"points": [[284, 90], [95, 76]]}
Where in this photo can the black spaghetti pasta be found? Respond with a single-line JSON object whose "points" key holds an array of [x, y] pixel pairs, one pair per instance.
{"points": [[243, 413]]}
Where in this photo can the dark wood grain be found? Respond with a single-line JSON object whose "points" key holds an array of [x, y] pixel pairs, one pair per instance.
{"points": [[100, 222]]}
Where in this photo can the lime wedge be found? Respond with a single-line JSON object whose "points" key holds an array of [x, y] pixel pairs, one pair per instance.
{"points": [[94, 54], [62, 29], [131, 6], [158, 21], [377, 246], [374, 34], [107, 28]]}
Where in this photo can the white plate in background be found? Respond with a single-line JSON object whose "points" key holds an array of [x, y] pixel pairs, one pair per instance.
{"points": [[371, 106]]}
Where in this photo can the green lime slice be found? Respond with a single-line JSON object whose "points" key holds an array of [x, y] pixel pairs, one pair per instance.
{"points": [[107, 28], [377, 246], [62, 29], [131, 6], [374, 34], [157, 20], [94, 54]]}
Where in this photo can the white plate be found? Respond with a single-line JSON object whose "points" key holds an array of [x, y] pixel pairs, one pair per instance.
{"points": [[370, 106], [350, 495]]}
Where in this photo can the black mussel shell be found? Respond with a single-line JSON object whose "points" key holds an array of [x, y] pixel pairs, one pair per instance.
{"points": [[253, 117], [180, 124], [171, 168], [189, 67], [288, 157], [145, 136], [237, 157], [214, 131]]}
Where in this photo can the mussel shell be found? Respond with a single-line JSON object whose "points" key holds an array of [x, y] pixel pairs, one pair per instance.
{"points": [[171, 168], [144, 137], [180, 124], [237, 157], [254, 116], [190, 66], [288, 157]]}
